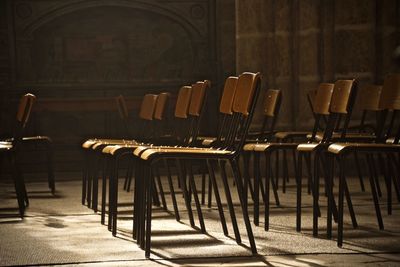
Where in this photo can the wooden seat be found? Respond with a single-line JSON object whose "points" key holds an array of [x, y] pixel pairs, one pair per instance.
{"points": [[13, 150], [389, 103], [228, 149]]}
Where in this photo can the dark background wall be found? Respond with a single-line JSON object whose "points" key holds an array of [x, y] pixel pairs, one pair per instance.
{"points": [[297, 44], [75, 49]]}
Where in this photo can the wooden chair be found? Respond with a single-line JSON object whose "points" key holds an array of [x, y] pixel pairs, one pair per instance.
{"points": [[389, 102], [272, 103], [188, 110], [294, 136], [12, 149], [320, 109], [228, 150], [93, 150], [225, 110]]}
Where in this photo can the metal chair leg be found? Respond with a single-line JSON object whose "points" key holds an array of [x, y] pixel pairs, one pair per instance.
{"points": [[211, 167], [230, 202], [245, 213]]}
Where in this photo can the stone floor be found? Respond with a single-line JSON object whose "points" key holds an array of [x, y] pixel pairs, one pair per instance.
{"points": [[59, 230]]}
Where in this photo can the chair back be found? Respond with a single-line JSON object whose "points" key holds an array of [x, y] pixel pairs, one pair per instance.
{"points": [[322, 98], [272, 105], [145, 129], [225, 107], [122, 108], [369, 96], [228, 94], [390, 104], [161, 106], [23, 113], [182, 117], [320, 101], [244, 102], [196, 107], [342, 102], [368, 102], [183, 102], [197, 98], [147, 107], [123, 113], [161, 118]]}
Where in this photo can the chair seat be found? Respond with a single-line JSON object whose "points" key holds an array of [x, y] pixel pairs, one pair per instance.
{"points": [[37, 138], [307, 147], [351, 137], [5, 146], [89, 143], [94, 143], [390, 140], [249, 147], [114, 149], [338, 148], [208, 141], [285, 135], [113, 142], [260, 147], [188, 151]]}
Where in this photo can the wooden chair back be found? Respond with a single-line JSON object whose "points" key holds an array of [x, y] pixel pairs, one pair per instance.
{"points": [[368, 102], [23, 113], [196, 107], [369, 96], [183, 102], [25, 108], [322, 99], [161, 106], [272, 105], [122, 108], [197, 99], [390, 105], [147, 107], [225, 106], [342, 102], [244, 102]]}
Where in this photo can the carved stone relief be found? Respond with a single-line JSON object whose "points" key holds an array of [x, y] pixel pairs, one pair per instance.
{"points": [[88, 42]]}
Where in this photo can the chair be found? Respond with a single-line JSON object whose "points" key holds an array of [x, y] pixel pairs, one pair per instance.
{"points": [[294, 136], [341, 106], [12, 149], [89, 143], [389, 102], [188, 110], [272, 103], [228, 150], [320, 109], [93, 148]]}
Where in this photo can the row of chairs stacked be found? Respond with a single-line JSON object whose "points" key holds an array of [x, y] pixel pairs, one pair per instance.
{"points": [[329, 143], [237, 106], [330, 138]]}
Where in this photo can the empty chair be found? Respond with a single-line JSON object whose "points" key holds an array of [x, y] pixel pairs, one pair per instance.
{"points": [[387, 126], [228, 150], [320, 109], [94, 147], [189, 106], [12, 149]]}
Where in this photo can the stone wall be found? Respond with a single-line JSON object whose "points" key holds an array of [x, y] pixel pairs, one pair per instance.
{"points": [[298, 44], [80, 49]]}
